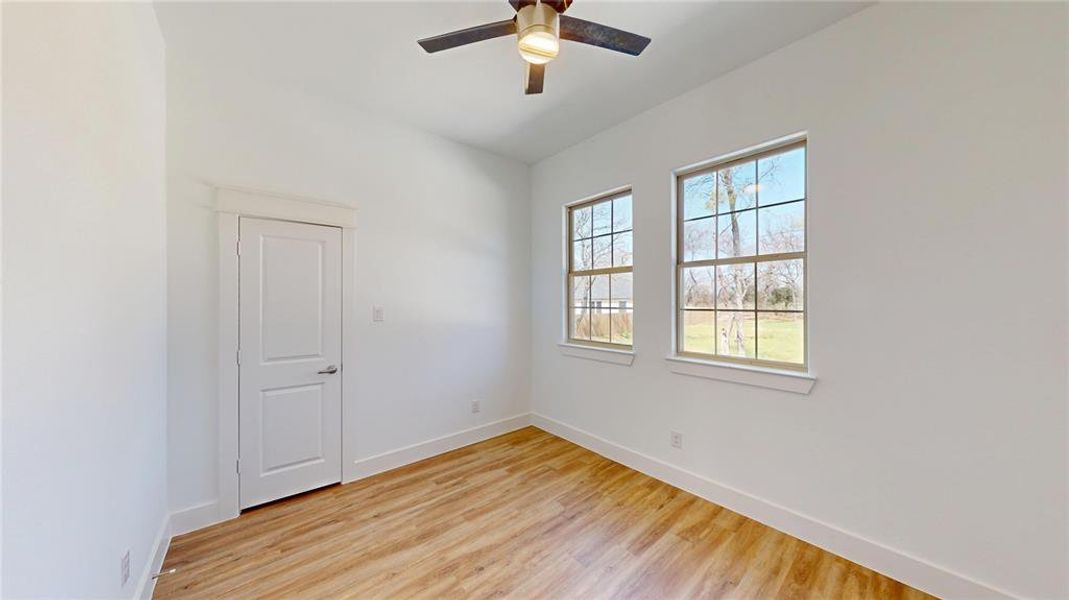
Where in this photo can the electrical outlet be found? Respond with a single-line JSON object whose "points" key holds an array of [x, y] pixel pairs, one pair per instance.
{"points": [[677, 439], [476, 406], [377, 314], [125, 568]]}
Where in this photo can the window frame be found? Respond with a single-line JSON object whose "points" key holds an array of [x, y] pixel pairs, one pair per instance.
{"points": [[569, 273], [712, 166]]}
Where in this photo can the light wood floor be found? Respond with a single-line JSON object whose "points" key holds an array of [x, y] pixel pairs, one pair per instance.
{"points": [[524, 515]]}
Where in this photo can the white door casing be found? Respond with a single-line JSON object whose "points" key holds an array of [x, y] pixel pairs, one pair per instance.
{"points": [[290, 289]]}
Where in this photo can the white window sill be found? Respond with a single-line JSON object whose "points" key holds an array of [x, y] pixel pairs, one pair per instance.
{"points": [[788, 381], [608, 355]]}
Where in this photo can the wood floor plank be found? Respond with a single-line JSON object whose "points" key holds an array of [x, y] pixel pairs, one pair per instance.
{"points": [[523, 515]]}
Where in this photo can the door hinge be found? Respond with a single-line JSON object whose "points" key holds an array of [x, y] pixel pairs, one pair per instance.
{"points": [[237, 247], [237, 356], [237, 466]]}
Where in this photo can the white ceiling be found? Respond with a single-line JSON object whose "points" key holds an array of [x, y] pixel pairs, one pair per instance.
{"points": [[365, 54]]}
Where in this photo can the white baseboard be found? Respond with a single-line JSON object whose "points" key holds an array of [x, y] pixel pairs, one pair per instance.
{"points": [[195, 517], [373, 465], [893, 563], [146, 584]]}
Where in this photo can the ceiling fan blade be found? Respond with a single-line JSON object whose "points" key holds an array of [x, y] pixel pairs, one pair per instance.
{"points": [[558, 5], [468, 36], [535, 76], [518, 4], [596, 34]]}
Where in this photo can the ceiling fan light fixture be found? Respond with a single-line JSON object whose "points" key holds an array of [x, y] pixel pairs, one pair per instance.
{"points": [[538, 33], [539, 47]]}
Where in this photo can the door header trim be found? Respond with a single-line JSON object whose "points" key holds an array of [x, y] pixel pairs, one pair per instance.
{"points": [[271, 205]]}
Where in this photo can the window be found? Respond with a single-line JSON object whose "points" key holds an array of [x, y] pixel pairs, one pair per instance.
{"points": [[740, 272], [600, 280]]}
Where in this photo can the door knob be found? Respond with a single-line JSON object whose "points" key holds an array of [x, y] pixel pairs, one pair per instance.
{"points": [[329, 370]]}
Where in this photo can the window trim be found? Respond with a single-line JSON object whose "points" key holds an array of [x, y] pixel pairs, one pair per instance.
{"points": [[567, 341], [754, 153], [616, 356], [764, 377]]}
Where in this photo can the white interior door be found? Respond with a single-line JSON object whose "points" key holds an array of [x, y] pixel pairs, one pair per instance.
{"points": [[290, 358]]}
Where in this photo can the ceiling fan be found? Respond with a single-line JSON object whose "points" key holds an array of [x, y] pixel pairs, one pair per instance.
{"points": [[539, 26]]}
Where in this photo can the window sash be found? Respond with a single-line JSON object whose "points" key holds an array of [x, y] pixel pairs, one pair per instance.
{"points": [[735, 260], [682, 264], [573, 273]]}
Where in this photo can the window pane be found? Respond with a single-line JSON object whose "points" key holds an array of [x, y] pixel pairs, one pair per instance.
{"points": [[621, 249], [621, 213], [581, 291], [602, 217], [782, 228], [697, 287], [780, 285], [781, 337], [782, 177], [603, 252], [699, 195], [735, 332], [620, 288], [599, 291], [698, 239], [737, 187], [735, 286], [581, 223], [621, 326], [581, 260], [737, 235], [580, 324], [698, 326], [599, 325]]}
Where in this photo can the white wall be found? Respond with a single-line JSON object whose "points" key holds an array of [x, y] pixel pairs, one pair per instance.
{"points": [[1, 314], [442, 243], [937, 288], [83, 298]]}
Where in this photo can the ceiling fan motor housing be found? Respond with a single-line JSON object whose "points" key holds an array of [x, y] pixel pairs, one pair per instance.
{"points": [[538, 32]]}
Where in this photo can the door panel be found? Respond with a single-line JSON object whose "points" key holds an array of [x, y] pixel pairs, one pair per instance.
{"points": [[292, 299], [291, 427], [290, 330]]}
